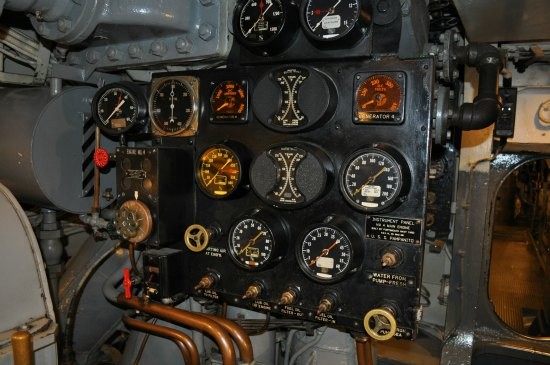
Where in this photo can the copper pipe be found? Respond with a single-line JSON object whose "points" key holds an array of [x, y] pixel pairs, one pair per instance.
{"points": [[363, 348], [95, 205], [238, 334], [185, 344], [21, 343], [201, 323]]}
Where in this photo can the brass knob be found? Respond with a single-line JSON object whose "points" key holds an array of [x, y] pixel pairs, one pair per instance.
{"points": [[288, 297], [207, 281], [253, 291], [197, 237], [380, 319], [134, 221]]}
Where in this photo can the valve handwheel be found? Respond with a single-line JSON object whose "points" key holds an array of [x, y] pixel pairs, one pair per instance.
{"points": [[380, 319], [196, 237]]}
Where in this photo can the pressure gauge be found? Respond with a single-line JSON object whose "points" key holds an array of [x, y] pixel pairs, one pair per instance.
{"points": [[173, 106], [229, 102], [374, 178], [219, 171], [291, 176], [118, 108], [379, 98], [256, 241], [331, 250], [294, 98], [331, 20], [266, 26]]}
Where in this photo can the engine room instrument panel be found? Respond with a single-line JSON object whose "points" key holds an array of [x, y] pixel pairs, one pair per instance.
{"points": [[303, 211]]}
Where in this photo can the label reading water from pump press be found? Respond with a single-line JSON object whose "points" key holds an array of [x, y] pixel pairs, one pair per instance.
{"points": [[393, 229]]}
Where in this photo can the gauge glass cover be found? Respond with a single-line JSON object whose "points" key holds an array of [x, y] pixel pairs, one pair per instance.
{"points": [[251, 243], [172, 106], [331, 19], [219, 171], [260, 21], [379, 98], [229, 101]]}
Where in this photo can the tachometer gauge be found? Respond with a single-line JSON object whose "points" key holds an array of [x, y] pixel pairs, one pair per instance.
{"points": [[117, 108], [380, 98], [219, 171], [256, 241], [374, 178], [290, 176], [229, 102], [266, 25], [330, 20], [330, 251], [173, 106]]}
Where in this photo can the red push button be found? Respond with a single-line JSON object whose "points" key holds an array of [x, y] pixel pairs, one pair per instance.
{"points": [[101, 158]]}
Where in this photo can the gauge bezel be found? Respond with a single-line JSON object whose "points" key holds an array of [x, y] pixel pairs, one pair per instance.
{"points": [[191, 125], [138, 99], [347, 229], [397, 160], [215, 118], [198, 165]]}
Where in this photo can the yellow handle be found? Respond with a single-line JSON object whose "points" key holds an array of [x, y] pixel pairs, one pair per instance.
{"points": [[377, 320]]}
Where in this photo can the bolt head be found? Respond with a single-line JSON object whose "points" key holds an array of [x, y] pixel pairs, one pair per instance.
{"points": [[206, 31]]}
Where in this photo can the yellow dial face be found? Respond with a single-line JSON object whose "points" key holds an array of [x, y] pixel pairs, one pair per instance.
{"points": [[219, 171]]}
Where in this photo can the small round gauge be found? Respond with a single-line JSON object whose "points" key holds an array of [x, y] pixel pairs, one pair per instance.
{"points": [[330, 251], [374, 178], [255, 241], [379, 98], [291, 176], [266, 25], [292, 99], [329, 20], [229, 102], [219, 171], [117, 108], [172, 105]]}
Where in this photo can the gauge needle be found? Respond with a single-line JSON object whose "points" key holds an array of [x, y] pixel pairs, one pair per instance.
{"points": [[172, 105], [252, 241], [219, 170], [370, 180], [324, 252], [222, 106], [367, 103], [330, 11], [117, 108], [259, 18]]}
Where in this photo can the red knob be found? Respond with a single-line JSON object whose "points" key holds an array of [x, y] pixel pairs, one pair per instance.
{"points": [[101, 158], [127, 283]]}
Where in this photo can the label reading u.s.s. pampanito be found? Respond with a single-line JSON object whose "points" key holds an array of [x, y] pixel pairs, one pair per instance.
{"points": [[393, 229]]}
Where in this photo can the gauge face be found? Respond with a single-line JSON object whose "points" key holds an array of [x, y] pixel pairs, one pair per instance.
{"points": [[172, 106], [331, 19], [325, 254], [229, 101], [289, 114], [260, 21], [379, 98], [219, 171], [371, 180], [286, 190], [251, 243]]}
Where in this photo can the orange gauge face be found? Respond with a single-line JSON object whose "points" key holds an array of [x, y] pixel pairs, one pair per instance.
{"points": [[229, 102], [219, 171], [379, 98]]}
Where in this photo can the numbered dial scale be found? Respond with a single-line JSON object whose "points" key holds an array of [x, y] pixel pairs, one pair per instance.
{"points": [[229, 102], [173, 106], [330, 20], [219, 171], [330, 251], [380, 98], [117, 108], [373, 179], [256, 241]]}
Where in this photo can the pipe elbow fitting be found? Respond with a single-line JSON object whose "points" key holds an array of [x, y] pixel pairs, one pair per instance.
{"points": [[477, 115]]}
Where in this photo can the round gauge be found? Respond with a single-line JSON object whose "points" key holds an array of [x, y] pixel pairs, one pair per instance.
{"points": [[219, 171], [229, 101], [255, 241], [330, 251], [329, 20], [116, 108], [290, 176], [172, 105], [379, 98], [292, 99], [265, 25], [373, 179]]}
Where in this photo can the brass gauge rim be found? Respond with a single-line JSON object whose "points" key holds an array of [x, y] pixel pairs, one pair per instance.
{"points": [[200, 169]]}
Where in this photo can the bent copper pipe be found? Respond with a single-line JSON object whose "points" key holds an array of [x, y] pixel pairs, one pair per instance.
{"points": [[238, 334], [185, 344], [216, 331], [363, 348]]}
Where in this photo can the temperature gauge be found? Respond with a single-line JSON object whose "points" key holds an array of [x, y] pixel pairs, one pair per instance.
{"points": [[380, 98], [256, 241], [229, 102], [219, 171], [374, 178], [330, 251]]}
